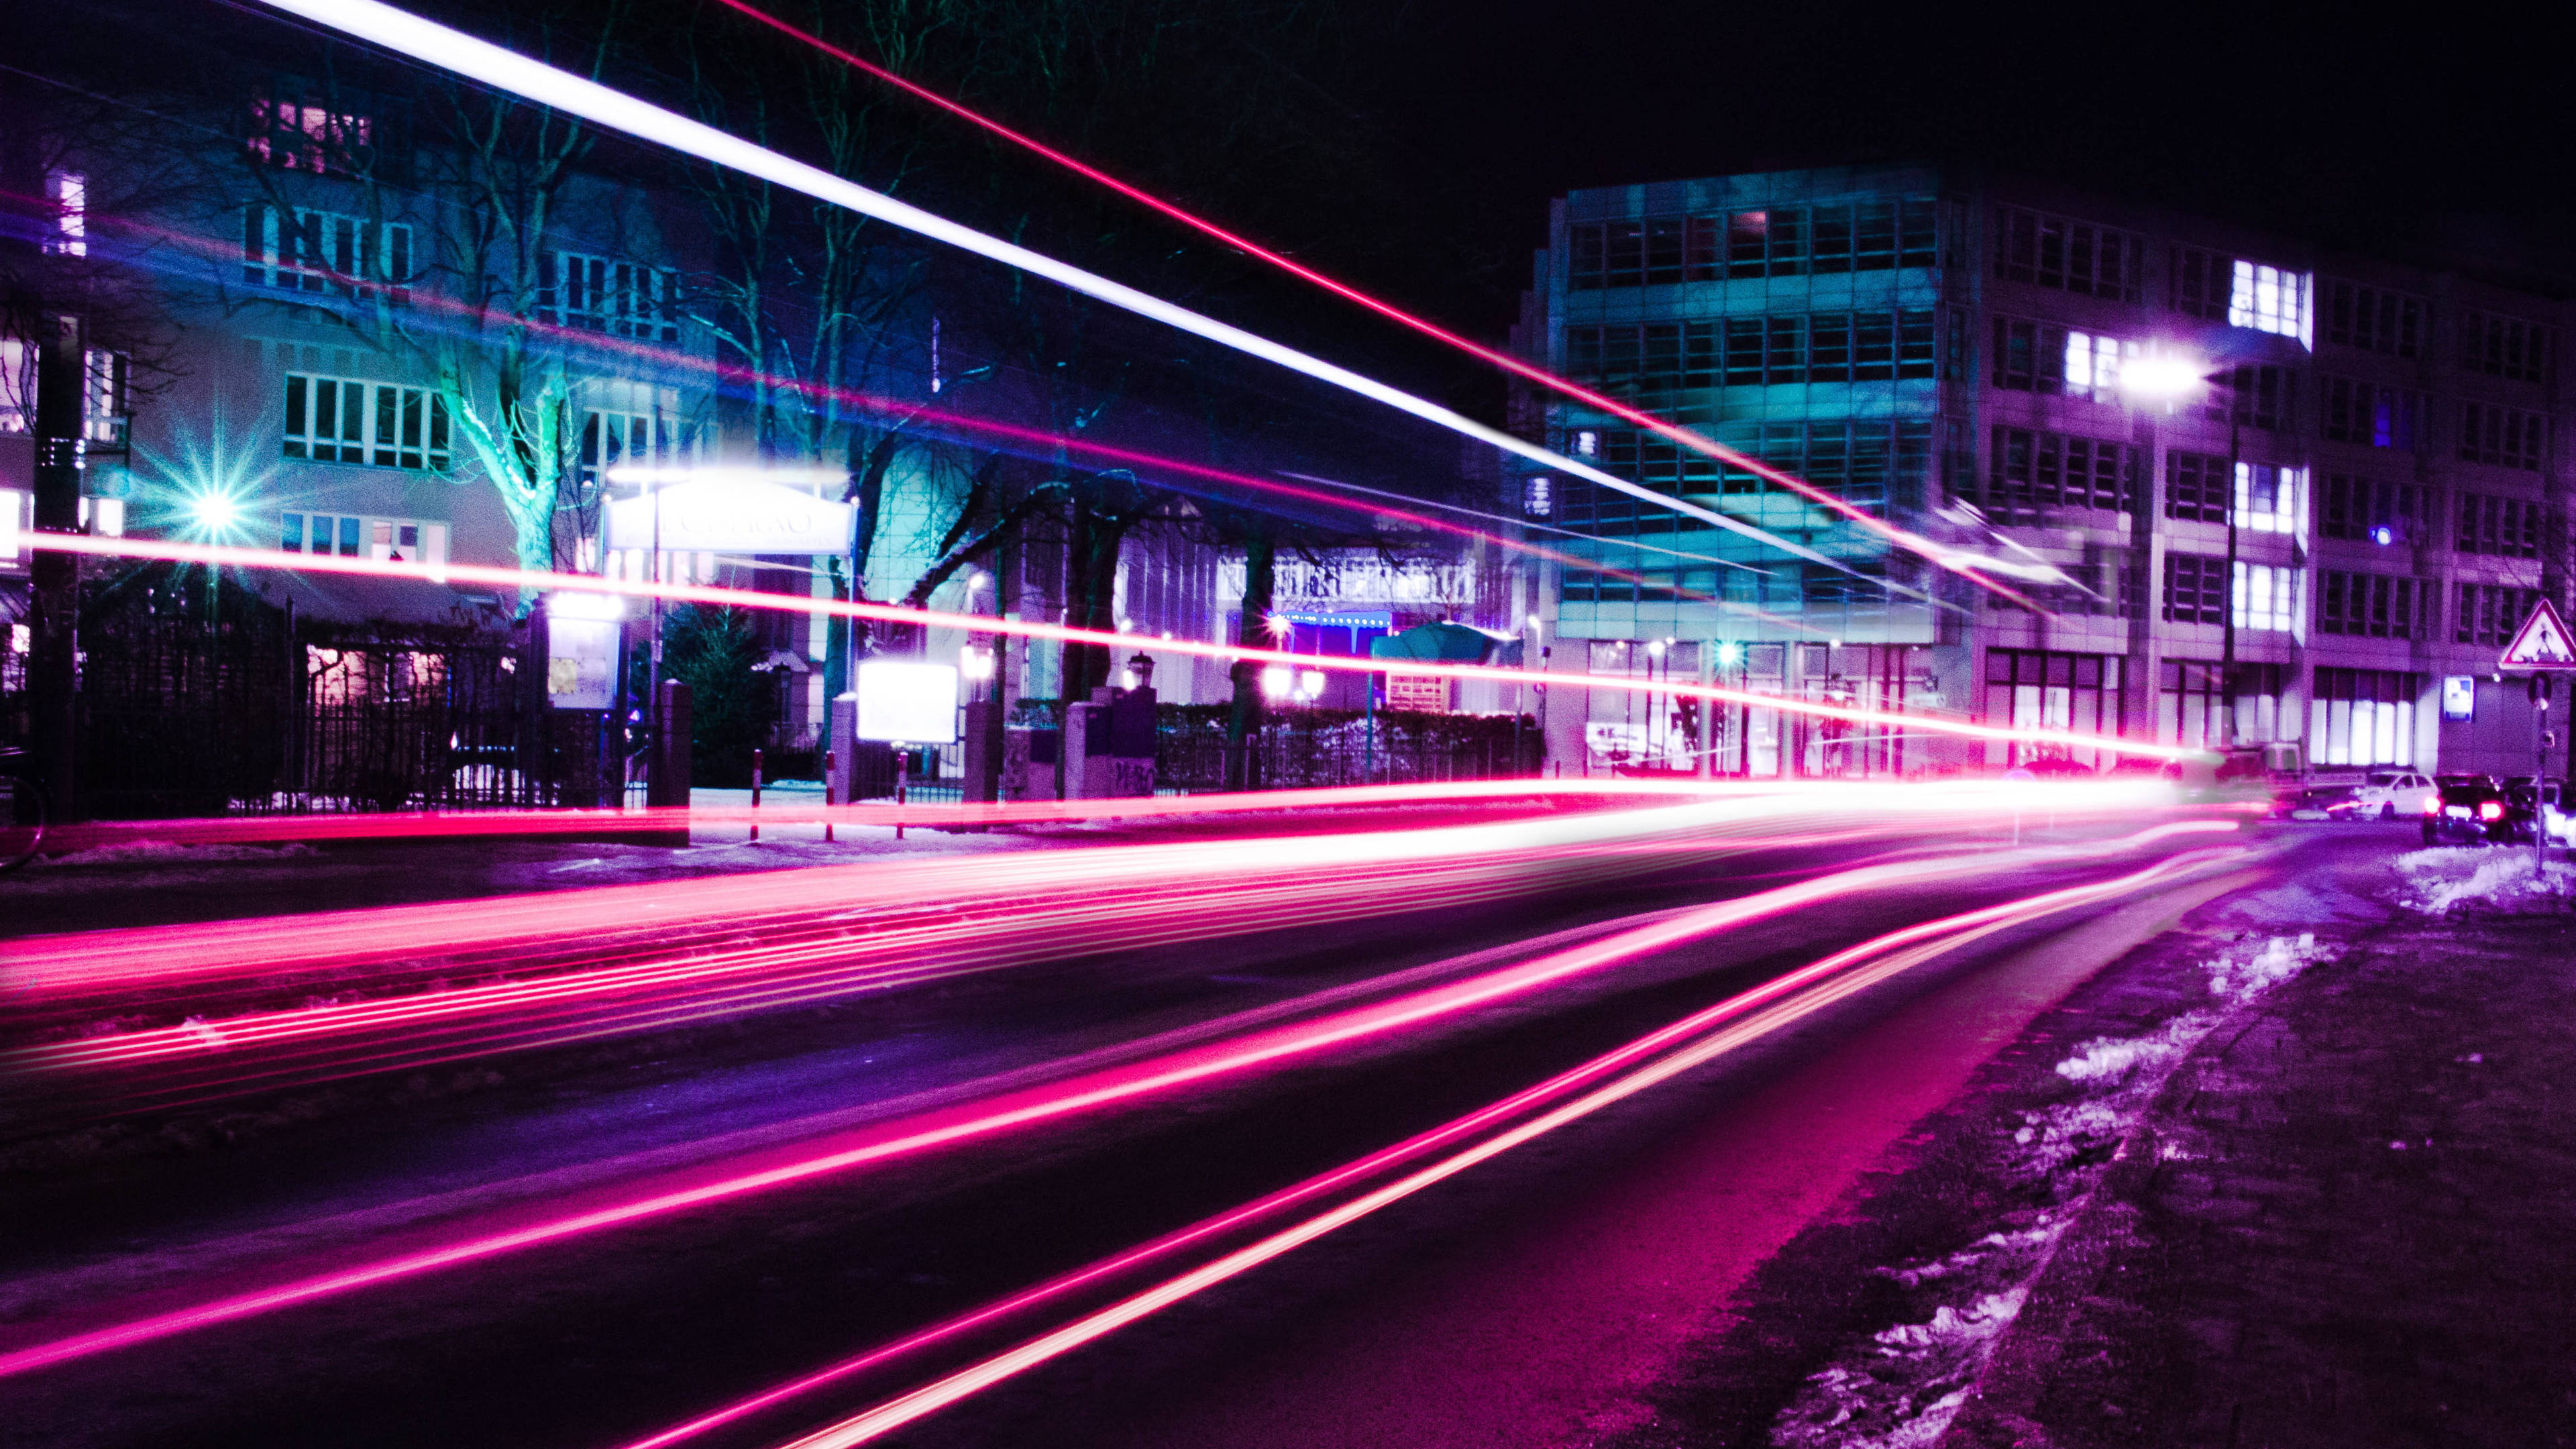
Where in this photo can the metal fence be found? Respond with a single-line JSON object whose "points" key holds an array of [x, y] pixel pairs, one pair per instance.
{"points": [[1319, 748]]}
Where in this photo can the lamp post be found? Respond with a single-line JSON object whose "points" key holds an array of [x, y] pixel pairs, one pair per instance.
{"points": [[2166, 379]]}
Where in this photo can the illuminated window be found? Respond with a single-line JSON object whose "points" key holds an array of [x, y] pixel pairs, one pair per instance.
{"points": [[2269, 299], [603, 294], [2093, 365], [340, 420], [2270, 499], [2363, 717], [2072, 256], [302, 250], [2267, 597], [295, 132], [2374, 319], [17, 385], [1537, 497], [69, 192], [104, 406], [399, 540]]}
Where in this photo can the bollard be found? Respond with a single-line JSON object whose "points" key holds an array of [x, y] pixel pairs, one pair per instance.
{"points": [[827, 797], [755, 795]]}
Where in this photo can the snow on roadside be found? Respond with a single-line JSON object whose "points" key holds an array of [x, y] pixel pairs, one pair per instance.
{"points": [[166, 852], [1901, 1387], [2441, 879]]}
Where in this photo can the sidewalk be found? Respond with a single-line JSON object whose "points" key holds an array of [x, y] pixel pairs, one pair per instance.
{"points": [[2297, 1173]]}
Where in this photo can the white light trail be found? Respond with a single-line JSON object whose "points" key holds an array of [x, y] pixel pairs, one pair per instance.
{"points": [[425, 40]]}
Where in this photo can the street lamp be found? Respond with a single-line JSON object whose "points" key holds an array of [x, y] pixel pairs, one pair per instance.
{"points": [[2167, 379]]}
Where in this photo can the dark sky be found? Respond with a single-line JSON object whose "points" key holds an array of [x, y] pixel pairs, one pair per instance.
{"points": [[2384, 130]]}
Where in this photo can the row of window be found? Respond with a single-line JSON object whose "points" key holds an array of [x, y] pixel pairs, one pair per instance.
{"points": [[326, 253], [1877, 234], [401, 540], [1661, 358], [1864, 462], [1786, 585], [344, 420]]}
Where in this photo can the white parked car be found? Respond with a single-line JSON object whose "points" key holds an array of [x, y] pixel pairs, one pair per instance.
{"points": [[2392, 795]]}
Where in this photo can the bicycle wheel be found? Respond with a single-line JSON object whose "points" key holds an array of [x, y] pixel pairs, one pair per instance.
{"points": [[22, 822]]}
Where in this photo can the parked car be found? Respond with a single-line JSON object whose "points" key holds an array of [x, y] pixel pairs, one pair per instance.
{"points": [[2390, 794], [2330, 802], [2478, 814]]}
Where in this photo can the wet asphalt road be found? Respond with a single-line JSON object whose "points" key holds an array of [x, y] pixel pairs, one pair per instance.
{"points": [[1516, 1304]]}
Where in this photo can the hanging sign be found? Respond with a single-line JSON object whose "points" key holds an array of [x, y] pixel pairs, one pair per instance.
{"points": [[729, 516]]}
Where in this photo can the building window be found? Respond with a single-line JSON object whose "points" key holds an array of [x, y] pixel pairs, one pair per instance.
{"points": [[69, 193], [340, 420], [1871, 234], [1538, 496], [2373, 319], [2032, 689], [2256, 396], [2072, 256], [2267, 597], [2093, 365], [2195, 589], [2370, 510], [400, 540], [2203, 283], [2029, 356], [2505, 346], [1863, 462], [2491, 614], [2363, 717], [1657, 360], [324, 252], [2506, 436], [2270, 499], [602, 294], [2032, 475], [2269, 299], [2191, 702], [2195, 487], [104, 405], [2370, 606], [2373, 415], [17, 385], [289, 132], [2502, 527]]}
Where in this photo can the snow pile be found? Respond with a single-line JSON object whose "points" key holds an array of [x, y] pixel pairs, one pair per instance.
{"points": [[2438, 880], [166, 852], [1901, 1389]]}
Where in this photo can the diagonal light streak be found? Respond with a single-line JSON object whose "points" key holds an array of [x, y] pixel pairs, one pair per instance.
{"points": [[507, 70]]}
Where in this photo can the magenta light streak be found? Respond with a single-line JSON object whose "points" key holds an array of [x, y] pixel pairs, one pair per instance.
{"points": [[1018, 1109], [510, 578], [1625, 411], [1553, 1090]]}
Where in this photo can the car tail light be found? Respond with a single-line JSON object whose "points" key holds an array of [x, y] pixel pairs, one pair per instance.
{"points": [[2491, 810], [2432, 804]]}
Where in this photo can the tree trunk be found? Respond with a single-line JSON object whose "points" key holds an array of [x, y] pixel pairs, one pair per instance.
{"points": [[1243, 725]]}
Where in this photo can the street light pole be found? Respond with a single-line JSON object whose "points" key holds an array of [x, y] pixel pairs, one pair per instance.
{"points": [[2227, 639]]}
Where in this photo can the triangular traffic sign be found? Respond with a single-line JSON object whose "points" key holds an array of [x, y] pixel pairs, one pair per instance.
{"points": [[2541, 643]]}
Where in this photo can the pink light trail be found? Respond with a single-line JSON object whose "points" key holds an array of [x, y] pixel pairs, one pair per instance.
{"points": [[510, 578], [1014, 1110], [1915, 543], [1943, 934]]}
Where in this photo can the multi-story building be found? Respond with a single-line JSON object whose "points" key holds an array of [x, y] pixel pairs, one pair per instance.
{"points": [[2356, 493]]}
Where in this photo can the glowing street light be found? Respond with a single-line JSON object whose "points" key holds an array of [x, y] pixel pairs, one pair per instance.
{"points": [[2163, 378]]}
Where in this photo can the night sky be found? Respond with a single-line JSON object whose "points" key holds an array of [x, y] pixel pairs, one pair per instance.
{"points": [[2446, 127]]}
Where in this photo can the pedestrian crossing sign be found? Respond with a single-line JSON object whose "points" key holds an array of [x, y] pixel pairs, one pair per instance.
{"points": [[2541, 643]]}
